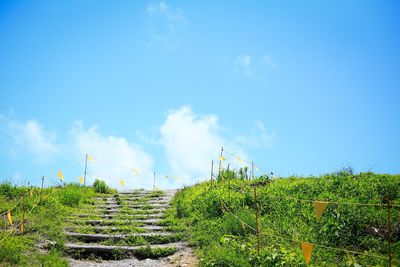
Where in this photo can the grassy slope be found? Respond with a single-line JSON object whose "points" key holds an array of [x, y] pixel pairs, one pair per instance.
{"points": [[44, 223], [223, 241]]}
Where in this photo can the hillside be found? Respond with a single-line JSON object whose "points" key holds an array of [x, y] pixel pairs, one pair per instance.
{"points": [[221, 218]]}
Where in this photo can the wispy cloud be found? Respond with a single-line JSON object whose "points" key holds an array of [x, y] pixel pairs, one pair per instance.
{"points": [[164, 24], [254, 69], [29, 137]]}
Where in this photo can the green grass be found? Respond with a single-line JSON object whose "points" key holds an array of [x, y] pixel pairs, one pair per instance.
{"points": [[45, 222], [286, 218]]}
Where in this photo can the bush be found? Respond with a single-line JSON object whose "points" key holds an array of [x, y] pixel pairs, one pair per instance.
{"points": [[71, 195], [100, 187]]}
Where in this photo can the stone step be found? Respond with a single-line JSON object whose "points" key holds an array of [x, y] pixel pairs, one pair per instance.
{"points": [[136, 207], [102, 237], [104, 248], [130, 216], [113, 222], [108, 229]]}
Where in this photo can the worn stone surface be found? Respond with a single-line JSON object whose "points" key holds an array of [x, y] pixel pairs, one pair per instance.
{"points": [[148, 212]]}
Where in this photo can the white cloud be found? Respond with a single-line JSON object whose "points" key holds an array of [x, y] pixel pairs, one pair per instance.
{"points": [[258, 137], [163, 25], [267, 61], [243, 64], [170, 14], [116, 150], [32, 138], [254, 69], [191, 141]]}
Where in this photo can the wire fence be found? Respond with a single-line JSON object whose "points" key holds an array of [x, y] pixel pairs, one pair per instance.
{"points": [[219, 181]]}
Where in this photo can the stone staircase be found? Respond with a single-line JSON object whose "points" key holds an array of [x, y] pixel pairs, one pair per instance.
{"points": [[122, 226]]}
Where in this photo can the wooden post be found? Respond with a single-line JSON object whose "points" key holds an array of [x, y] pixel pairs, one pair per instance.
{"points": [[84, 178], [229, 188], [41, 189], [389, 229], [220, 161], [154, 180], [252, 169], [212, 170], [257, 223]]}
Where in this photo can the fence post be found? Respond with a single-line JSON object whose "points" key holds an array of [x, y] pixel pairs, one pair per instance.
{"points": [[41, 189], [220, 162], [154, 181], [252, 170], [84, 178], [229, 188], [212, 170], [257, 222], [389, 229]]}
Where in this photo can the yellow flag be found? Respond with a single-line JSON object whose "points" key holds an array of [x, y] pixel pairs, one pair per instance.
{"points": [[221, 158], [319, 208], [255, 167], [81, 180], [9, 217], [239, 159], [307, 251], [136, 171], [122, 182], [89, 158], [22, 227], [60, 175]]}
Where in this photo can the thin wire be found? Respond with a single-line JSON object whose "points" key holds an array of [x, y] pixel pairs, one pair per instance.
{"points": [[19, 224], [93, 175], [316, 245], [245, 161], [16, 204], [332, 248], [113, 164], [332, 202]]}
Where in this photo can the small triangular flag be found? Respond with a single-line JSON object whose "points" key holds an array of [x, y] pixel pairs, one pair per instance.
{"points": [[22, 227], [307, 249], [136, 171], [89, 158], [9, 217], [60, 175], [240, 159], [319, 208], [221, 158], [256, 168], [81, 180], [122, 182]]}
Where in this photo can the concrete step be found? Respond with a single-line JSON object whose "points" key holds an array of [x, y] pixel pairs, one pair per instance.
{"points": [[102, 237], [115, 215]]}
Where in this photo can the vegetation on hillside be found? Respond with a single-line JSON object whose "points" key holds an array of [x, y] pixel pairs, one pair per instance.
{"points": [[221, 219], [44, 213]]}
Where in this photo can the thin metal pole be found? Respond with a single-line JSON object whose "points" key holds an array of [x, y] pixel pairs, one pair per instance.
{"points": [[220, 162], [84, 179], [154, 181], [257, 224], [229, 188], [212, 170], [389, 229], [41, 188], [252, 170]]}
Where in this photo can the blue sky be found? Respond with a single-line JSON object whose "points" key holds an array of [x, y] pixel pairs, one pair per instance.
{"points": [[301, 88]]}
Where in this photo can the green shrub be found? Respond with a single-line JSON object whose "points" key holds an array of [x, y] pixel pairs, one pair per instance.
{"points": [[100, 187], [71, 195]]}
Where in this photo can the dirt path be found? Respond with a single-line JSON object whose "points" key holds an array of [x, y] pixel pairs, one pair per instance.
{"points": [[112, 233]]}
